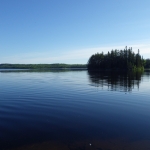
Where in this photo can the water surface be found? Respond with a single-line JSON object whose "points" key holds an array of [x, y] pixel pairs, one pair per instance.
{"points": [[74, 110]]}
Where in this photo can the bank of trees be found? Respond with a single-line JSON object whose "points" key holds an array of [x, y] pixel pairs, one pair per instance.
{"points": [[116, 59], [147, 63], [41, 66]]}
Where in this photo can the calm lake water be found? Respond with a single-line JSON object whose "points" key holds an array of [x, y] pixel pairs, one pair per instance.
{"points": [[74, 110]]}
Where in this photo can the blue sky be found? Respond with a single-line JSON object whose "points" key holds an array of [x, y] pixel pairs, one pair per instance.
{"points": [[70, 31]]}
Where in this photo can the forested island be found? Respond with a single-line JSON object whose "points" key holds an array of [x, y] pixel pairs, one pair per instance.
{"points": [[118, 60]]}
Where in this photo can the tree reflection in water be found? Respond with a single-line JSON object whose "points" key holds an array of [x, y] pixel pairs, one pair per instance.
{"points": [[115, 80]]}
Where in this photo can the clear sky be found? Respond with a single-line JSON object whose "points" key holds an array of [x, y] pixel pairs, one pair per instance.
{"points": [[70, 31]]}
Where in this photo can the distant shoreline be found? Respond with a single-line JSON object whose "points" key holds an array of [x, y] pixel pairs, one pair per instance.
{"points": [[43, 66]]}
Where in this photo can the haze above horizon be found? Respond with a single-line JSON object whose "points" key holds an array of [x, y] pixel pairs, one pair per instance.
{"points": [[57, 31]]}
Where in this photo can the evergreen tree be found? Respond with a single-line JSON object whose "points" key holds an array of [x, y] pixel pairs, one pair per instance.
{"points": [[116, 59]]}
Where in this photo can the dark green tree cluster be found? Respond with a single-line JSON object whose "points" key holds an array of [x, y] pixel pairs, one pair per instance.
{"points": [[116, 59], [147, 63]]}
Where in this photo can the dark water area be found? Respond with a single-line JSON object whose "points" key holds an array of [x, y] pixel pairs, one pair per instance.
{"points": [[74, 110]]}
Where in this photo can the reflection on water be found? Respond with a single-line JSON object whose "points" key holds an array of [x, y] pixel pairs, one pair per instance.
{"points": [[115, 80], [60, 110]]}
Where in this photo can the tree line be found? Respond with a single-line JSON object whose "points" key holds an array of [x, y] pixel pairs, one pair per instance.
{"points": [[147, 63], [42, 66], [117, 59]]}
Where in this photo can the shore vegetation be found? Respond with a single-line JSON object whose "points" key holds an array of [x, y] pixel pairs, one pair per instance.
{"points": [[42, 66], [116, 60]]}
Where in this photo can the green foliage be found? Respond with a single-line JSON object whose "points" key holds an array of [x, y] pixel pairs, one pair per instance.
{"points": [[147, 63], [41, 66], [117, 59]]}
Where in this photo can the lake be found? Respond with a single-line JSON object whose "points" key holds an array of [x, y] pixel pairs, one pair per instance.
{"points": [[74, 110]]}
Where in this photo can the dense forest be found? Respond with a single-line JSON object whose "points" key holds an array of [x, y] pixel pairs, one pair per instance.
{"points": [[117, 59], [147, 63], [42, 66]]}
